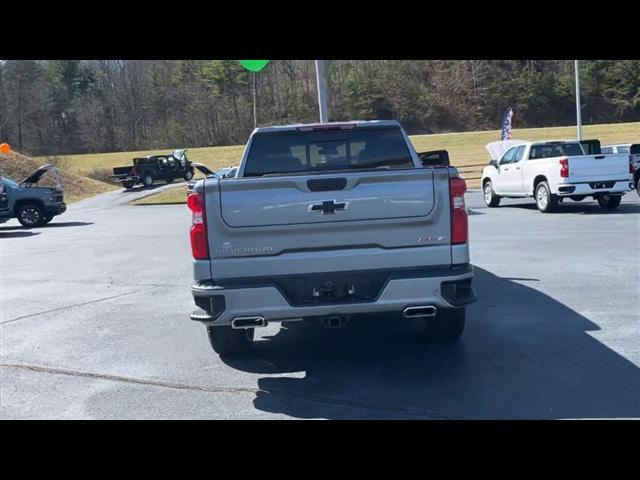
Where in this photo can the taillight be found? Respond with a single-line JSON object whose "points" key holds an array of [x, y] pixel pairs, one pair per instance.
{"points": [[198, 232], [327, 128], [459, 220], [564, 167]]}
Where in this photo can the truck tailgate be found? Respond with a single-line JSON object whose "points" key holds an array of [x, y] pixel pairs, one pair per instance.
{"points": [[598, 167], [348, 197], [268, 226]]}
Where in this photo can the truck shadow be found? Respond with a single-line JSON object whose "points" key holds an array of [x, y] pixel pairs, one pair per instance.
{"points": [[18, 234], [523, 355], [53, 224]]}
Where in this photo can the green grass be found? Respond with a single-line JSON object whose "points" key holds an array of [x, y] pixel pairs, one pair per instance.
{"points": [[465, 149], [213, 157]]}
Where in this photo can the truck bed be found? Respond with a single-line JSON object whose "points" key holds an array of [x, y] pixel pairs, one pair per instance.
{"points": [[123, 171]]}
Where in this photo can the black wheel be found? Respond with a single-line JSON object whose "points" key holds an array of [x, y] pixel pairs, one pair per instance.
{"points": [[228, 342], [147, 179], [127, 185], [30, 216], [577, 198], [545, 200], [609, 202], [447, 326], [490, 197], [188, 175], [168, 178]]}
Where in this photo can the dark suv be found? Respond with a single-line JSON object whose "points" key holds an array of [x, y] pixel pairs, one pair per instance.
{"points": [[31, 204]]}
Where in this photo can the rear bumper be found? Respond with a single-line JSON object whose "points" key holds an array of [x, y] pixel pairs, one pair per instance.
{"points": [[596, 187], [447, 288], [56, 209]]}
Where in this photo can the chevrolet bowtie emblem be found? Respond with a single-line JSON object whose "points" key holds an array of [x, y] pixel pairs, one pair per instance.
{"points": [[328, 207]]}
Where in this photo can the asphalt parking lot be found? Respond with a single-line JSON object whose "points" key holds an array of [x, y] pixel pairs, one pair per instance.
{"points": [[94, 324]]}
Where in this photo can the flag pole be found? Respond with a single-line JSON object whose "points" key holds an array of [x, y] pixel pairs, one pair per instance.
{"points": [[322, 90], [578, 113]]}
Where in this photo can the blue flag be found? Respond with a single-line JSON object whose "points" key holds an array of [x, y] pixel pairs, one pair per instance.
{"points": [[506, 124]]}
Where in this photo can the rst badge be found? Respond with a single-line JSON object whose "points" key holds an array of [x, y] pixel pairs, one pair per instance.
{"points": [[426, 239]]}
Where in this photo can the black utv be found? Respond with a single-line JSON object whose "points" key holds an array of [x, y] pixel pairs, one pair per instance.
{"points": [[145, 171]]}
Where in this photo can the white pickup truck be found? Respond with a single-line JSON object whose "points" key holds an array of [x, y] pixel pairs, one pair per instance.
{"points": [[552, 170]]}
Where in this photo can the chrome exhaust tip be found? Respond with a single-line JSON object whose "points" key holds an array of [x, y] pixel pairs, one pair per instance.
{"points": [[257, 321], [420, 311]]}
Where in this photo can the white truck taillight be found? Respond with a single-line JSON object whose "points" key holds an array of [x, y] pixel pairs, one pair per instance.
{"points": [[459, 220], [564, 167], [198, 232]]}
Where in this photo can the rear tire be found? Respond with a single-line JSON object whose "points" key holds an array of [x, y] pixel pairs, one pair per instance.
{"points": [[30, 216], [609, 202], [447, 326], [169, 179], [228, 342], [188, 175], [490, 198], [546, 201]]}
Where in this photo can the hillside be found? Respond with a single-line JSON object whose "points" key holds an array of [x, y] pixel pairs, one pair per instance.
{"points": [[17, 167]]}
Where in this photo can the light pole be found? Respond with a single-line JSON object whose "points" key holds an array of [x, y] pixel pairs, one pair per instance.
{"points": [[322, 91], [578, 114], [255, 114]]}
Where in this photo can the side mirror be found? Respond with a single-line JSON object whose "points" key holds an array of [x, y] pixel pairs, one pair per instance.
{"points": [[494, 163], [435, 158]]}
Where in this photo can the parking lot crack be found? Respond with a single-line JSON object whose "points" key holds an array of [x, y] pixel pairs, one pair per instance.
{"points": [[120, 378], [209, 389], [75, 305]]}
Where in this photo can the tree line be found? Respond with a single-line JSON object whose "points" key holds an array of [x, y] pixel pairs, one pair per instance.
{"points": [[81, 106]]}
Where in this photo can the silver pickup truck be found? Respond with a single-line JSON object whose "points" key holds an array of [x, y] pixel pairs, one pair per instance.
{"points": [[328, 222]]}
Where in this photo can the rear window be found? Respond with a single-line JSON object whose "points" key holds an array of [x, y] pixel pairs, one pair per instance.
{"points": [[297, 152], [555, 150], [624, 149], [146, 161]]}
